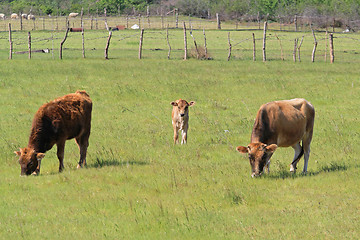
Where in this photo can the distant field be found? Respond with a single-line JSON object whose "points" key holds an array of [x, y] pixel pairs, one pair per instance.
{"points": [[138, 185]]}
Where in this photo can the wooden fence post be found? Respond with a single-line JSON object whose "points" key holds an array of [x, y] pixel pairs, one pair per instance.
{"points": [[254, 53], [63, 41], [281, 48], [229, 55], [196, 48], [21, 25], [264, 42], [331, 46], [82, 33], [185, 43], [106, 25], [295, 47], [10, 42], [314, 49], [29, 43], [167, 39], [299, 46], [141, 42], [205, 45], [107, 46], [177, 19], [326, 43], [218, 21]]}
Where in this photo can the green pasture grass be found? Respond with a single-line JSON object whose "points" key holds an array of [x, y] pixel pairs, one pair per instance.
{"points": [[138, 185]]}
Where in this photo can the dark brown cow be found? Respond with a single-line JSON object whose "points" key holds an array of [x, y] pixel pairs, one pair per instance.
{"points": [[280, 124], [180, 118], [55, 122]]}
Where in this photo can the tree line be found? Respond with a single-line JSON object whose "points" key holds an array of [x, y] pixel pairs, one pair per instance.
{"points": [[248, 10]]}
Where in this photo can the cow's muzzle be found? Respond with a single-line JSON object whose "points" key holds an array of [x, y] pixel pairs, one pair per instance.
{"points": [[182, 114]]}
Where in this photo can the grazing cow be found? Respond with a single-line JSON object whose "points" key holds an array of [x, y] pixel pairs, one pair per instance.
{"points": [[280, 124], [180, 118], [14, 16], [31, 17], [72, 15], [2, 16], [24, 16], [55, 122]]}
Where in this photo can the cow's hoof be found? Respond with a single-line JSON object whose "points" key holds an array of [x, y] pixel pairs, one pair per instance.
{"points": [[79, 166], [35, 173]]}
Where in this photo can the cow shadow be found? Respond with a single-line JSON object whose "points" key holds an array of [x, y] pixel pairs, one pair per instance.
{"points": [[285, 174], [100, 163]]}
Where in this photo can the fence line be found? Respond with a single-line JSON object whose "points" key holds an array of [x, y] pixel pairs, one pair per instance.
{"points": [[163, 36]]}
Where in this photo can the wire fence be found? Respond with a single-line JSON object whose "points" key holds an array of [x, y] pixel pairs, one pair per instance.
{"points": [[280, 40]]}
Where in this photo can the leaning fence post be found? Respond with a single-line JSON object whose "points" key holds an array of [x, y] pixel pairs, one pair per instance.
{"points": [[62, 42], [185, 43], [141, 42], [29, 43], [299, 46], [10, 42], [196, 48], [107, 45], [331, 46], [167, 39], [264, 42], [229, 55]]}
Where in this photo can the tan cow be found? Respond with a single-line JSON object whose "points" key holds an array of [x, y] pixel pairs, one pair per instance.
{"points": [[73, 15], [180, 118], [280, 124], [14, 16], [55, 122], [2, 16], [31, 17]]}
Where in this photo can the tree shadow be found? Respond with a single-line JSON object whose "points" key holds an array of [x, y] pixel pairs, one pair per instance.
{"points": [[100, 163], [331, 167]]}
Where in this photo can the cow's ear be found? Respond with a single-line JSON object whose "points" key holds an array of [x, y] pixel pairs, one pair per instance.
{"points": [[18, 153], [191, 103], [242, 149], [271, 148], [56, 124], [40, 156], [173, 103]]}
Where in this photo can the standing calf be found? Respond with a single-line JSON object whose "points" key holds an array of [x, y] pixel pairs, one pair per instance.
{"points": [[55, 122], [280, 124], [180, 118]]}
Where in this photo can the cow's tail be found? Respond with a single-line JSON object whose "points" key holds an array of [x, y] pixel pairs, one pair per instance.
{"points": [[297, 159], [82, 92]]}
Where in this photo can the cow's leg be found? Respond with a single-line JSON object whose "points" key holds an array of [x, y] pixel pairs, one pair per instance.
{"points": [[184, 136], [176, 134], [299, 151], [60, 154], [83, 143], [306, 146]]}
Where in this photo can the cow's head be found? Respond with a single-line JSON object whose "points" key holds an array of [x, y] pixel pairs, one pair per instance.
{"points": [[29, 160], [183, 106], [259, 156]]}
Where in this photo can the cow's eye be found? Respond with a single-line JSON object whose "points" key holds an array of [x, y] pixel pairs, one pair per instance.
{"points": [[186, 107]]}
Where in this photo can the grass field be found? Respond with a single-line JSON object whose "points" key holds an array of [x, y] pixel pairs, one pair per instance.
{"points": [[138, 185]]}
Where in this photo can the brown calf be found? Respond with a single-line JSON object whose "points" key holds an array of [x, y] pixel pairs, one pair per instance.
{"points": [[180, 118], [55, 122], [280, 124]]}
